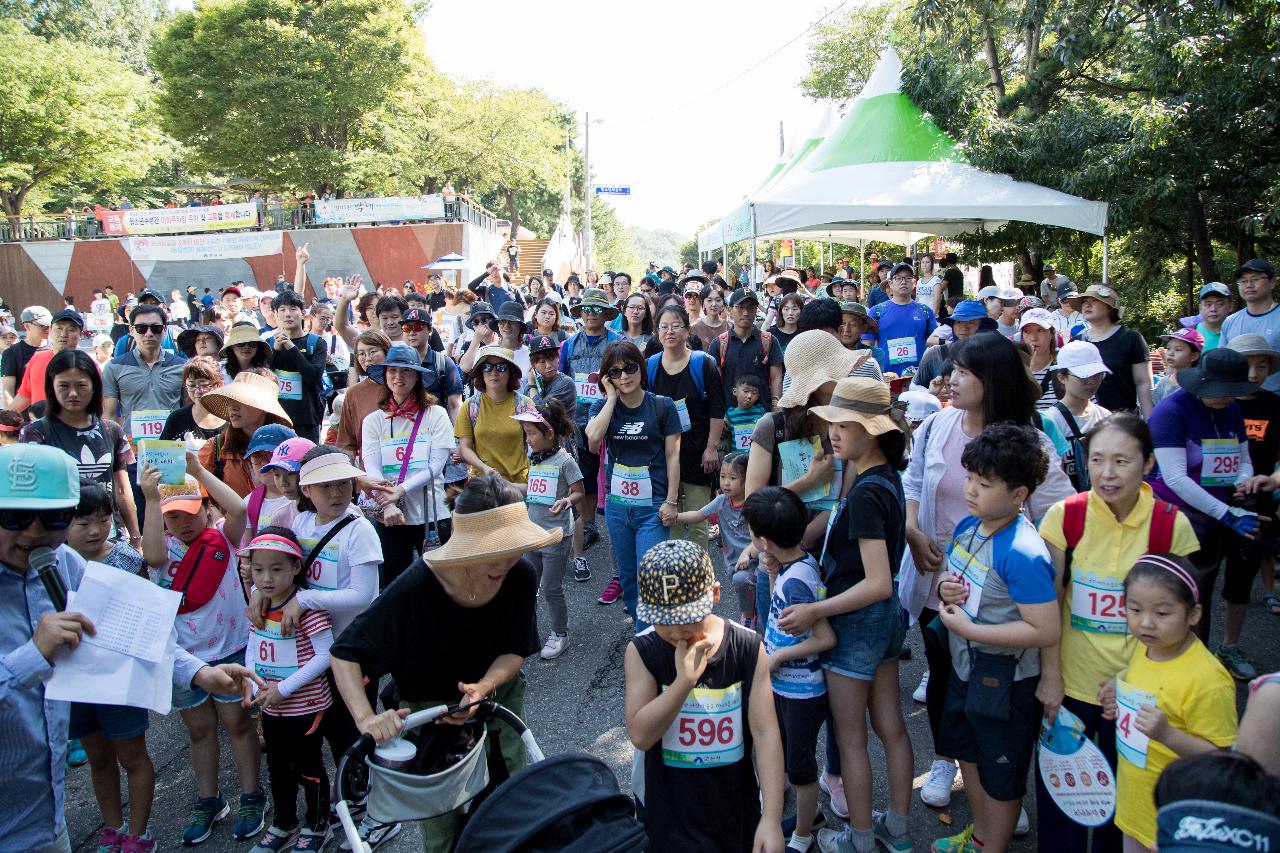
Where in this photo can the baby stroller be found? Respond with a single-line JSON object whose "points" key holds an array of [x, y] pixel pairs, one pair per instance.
{"points": [[568, 803]]}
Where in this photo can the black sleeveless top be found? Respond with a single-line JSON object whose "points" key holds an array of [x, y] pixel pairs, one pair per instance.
{"points": [[700, 786]]}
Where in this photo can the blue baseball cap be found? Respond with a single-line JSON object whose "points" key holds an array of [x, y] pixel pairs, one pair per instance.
{"points": [[268, 437], [1215, 287], [968, 310], [37, 476]]}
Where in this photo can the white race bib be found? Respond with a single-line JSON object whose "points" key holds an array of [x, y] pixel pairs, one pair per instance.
{"points": [[323, 572], [742, 436], [631, 485], [290, 384], [682, 409], [708, 730], [393, 451], [146, 423], [544, 482], [275, 657], [901, 350], [972, 575], [1131, 744], [1220, 462], [1097, 604], [588, 390]]}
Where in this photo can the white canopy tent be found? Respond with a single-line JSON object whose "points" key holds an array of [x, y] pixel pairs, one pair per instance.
{"points": [[886, 172]]}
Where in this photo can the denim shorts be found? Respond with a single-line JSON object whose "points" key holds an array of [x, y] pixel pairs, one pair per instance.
{"points": [[186, 698], [115, 722], [865, 639]]}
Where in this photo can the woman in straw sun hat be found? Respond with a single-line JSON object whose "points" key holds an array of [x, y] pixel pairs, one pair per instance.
{"points": [[245, 404], [243, 347], [458, 628]]}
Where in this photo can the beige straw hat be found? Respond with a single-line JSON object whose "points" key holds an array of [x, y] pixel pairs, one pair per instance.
{"points": [[243, 333], [248, 389], [863, 401], [327, 469], [492, 534], [813, 359], [494, 351]]}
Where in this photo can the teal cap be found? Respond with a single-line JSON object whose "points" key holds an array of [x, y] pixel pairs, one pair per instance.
{"points": [[36, 476]]}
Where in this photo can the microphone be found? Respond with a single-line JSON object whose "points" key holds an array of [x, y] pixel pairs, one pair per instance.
{"points": [[45, 564]]}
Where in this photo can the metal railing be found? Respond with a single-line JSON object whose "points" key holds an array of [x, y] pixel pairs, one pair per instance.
{"points": [[271, 217]]}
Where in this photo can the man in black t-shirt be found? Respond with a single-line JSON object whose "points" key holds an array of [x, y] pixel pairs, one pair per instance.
{"points": [[36, 320]]}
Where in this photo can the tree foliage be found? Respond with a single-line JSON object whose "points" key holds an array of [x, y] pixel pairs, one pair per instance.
{"points": [[68, 114], [120, 28]]}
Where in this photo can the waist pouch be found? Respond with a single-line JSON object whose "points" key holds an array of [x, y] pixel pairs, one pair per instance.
{"points": [[990, 692]]}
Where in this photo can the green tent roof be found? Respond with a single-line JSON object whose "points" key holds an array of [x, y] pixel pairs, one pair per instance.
{"points": [[886, 128]]}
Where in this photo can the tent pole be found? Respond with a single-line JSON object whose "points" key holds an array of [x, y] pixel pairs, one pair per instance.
{"points": [[751, 277], [862, 266], [1106, 251]]}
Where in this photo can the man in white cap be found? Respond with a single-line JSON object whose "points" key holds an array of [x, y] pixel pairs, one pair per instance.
{"points": [[36, 321]]}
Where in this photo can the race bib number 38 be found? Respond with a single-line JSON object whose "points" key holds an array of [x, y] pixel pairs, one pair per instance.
{"points": [[708, 730], [631, 485]]}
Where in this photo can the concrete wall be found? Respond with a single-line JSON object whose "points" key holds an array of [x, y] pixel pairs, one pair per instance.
{"points": [[42, 273]]}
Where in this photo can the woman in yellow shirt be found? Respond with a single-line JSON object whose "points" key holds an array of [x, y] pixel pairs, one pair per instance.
{"points": [[1096, 643], [488, 439]]}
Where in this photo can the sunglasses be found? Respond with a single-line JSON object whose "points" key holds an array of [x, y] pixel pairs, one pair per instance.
{"points": [[414, 327], [629, 368], [591, 309], [144, 328], [494, 367], [50, 519]]}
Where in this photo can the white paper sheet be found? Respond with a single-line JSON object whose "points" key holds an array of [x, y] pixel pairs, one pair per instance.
{"points": [[130, 661]]}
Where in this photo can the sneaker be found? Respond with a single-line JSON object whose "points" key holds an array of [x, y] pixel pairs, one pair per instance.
{"points": [[1235, 660], [555, 646], [834, 840], [590, 536], [833, 787], [789, 824], [1024, 823], [936, 790], [893, 843], [252, 817], [373, 833], [76, 756], [274, 840], [580, 571], [208, 811], [960, 843], [137, 843], [109, 840], [922, 688], [311, 840], [612, 592]]}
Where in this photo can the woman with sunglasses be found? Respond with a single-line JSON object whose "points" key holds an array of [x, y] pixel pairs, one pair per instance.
{"points": [[194, 423], [488, 439], [641, 431], [74, 424]]}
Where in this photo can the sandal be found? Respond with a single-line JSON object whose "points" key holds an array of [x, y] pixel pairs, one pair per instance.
{"points": [[1273, 603]]}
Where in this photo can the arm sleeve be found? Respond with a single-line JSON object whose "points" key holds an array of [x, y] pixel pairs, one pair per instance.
{"points": [[1173, 470], [321, 642], [110, 385], [717, 503], [439, 458], [363, 589], [185, 666], [22, 669]]}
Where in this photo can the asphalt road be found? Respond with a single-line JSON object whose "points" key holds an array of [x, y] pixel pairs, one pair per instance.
{"points": [[574, 703]]}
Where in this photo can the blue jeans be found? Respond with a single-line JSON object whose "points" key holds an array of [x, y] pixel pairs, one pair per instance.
{"points": [[632, 531]]}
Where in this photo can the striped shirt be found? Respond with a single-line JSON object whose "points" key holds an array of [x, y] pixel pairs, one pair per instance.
{"points": [[292, 662]]}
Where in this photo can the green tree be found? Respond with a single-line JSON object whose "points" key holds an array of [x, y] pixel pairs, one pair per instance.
{"points": [[121, 28], [68, 114], [286, 91]]}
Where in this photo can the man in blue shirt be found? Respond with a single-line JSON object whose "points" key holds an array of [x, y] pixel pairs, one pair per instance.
{"points": [[904, 324], [39, 491]]}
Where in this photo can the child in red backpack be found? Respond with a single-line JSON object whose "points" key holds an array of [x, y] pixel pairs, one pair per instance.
{"points": [[187, 553]]}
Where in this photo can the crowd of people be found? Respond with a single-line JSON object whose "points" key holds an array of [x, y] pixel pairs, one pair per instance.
{"points": [[373, 472]]}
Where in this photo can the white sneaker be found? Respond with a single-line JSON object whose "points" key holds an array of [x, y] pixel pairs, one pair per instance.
{"points": [[1024, 823], [555, 646], [936, 790], [921, 688]]}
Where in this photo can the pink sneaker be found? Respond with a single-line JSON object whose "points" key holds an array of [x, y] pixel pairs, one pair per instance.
{"points": [[834, 788], [109, 840], [137, 844], [612, 592]]}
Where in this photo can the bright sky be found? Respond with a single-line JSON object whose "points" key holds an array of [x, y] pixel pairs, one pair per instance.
{"points": [[689, 149]]}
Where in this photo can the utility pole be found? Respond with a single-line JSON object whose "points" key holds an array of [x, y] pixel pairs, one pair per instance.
{"points": [[586, 194]]}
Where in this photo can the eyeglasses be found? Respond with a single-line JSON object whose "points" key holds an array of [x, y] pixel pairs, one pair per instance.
{"points": [[629, 368], [494, 367], [152, 328], [1253, 279], [200, 387], [903, 279], [591, 309], [414, 327], [678, 327], [50, 519]]}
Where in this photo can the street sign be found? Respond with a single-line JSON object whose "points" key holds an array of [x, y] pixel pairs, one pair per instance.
{"points": [[612, 189]]}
